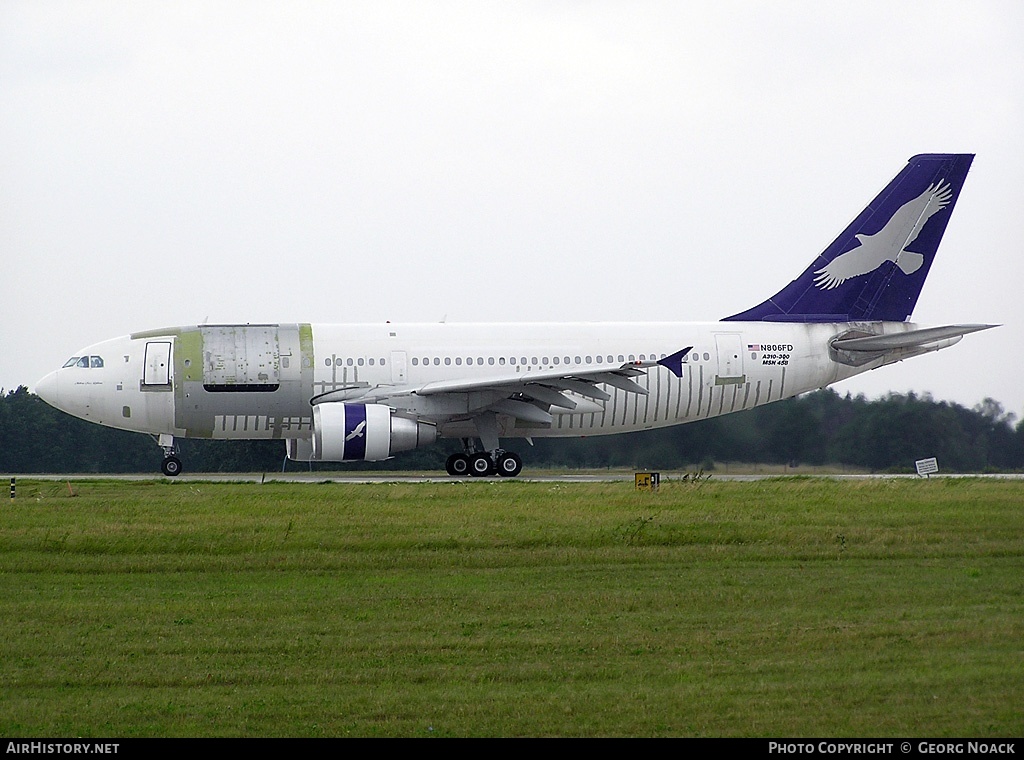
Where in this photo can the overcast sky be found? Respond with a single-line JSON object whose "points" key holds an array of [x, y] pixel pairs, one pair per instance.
{"points": [[181, 162]]}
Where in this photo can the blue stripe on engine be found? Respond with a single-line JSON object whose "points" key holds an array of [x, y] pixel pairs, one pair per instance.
{"points": [[355, 436]]}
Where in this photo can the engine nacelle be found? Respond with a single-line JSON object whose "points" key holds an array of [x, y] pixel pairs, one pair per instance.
{"points": [[363, 432]]}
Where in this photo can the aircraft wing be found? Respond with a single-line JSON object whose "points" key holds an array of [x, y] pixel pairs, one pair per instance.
{"points": [[616, 375], [526, 395]]}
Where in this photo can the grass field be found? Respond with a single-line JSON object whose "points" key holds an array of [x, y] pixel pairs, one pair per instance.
{"points": [[791, 607]]}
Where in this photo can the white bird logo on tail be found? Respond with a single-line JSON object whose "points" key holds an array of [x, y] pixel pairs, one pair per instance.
{"points": [[889, 243]]}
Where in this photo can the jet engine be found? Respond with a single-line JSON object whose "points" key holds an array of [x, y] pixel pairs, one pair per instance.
{"points": [[366, 432]]}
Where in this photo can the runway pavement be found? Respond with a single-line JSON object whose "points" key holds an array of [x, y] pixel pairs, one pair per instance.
{"points": [[440, 477]]}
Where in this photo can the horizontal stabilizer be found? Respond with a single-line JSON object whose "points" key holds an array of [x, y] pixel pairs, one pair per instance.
{"points": [[909, 339]]}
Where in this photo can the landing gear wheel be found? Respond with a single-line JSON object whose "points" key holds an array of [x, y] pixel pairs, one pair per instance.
{"points": [[509, 465], [457, 465], [480, 465], [171, 466]]}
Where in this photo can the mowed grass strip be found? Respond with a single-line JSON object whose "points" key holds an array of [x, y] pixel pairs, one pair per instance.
{"points": [[789, 607]]}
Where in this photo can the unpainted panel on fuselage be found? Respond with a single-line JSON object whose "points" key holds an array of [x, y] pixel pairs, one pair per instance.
{"points": [[241, 355], [256, 381]]}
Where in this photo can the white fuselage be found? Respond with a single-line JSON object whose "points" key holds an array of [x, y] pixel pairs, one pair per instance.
{"points": [[257, 381], [721, 374]]}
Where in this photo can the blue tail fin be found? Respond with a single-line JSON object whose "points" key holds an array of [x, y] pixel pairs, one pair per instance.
{"points": [[875, 269]]}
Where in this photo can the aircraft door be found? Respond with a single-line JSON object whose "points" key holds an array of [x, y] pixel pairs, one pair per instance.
{"points": [[730, 358], [398, 367], [157, 368]]}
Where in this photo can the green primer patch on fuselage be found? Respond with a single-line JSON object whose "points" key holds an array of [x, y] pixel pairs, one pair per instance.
{"points": [[215, 385], [188, 373], [306, 347], [167, 332]]}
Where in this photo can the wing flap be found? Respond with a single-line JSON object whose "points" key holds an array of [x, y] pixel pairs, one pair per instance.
{"points": [[583, 388], [521, 410], [622, 383], [546, 395]]}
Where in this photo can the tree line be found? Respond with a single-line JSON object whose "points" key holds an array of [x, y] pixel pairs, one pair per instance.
{"points": [[820, 428]]}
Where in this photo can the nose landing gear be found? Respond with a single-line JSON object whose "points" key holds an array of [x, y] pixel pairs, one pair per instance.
{"points": [[171, 466]]}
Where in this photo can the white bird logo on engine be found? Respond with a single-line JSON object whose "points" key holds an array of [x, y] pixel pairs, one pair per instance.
{"points": [[358, 432], [889, 243]]}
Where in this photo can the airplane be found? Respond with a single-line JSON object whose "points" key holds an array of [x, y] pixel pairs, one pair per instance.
{"points": [[365, 392]]}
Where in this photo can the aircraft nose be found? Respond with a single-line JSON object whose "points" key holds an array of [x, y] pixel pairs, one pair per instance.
{"points": [[48, 389]]}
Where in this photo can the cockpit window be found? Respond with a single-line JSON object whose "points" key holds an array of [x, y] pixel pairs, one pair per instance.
{"points": [[84, 361]]}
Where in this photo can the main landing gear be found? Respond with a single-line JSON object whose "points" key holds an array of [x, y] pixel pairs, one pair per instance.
{"points": [[481, 464], [171, 465], [491, 460]]}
